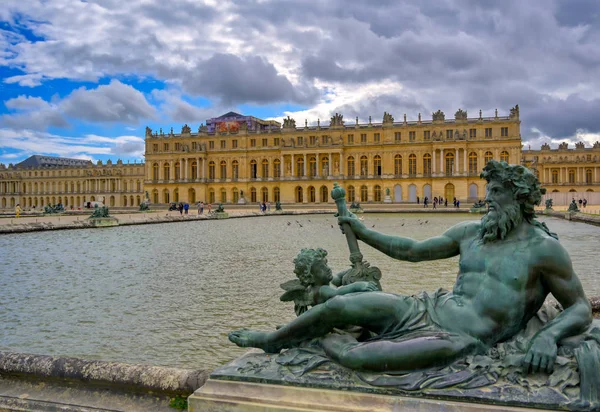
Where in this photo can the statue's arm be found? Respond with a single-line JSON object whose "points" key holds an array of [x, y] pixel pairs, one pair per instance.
{"points": [[402, 248], [325, 293], [558, 278]]}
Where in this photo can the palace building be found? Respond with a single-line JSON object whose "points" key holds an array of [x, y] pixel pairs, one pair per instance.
{"points": [[236, 159], [45, 180]]}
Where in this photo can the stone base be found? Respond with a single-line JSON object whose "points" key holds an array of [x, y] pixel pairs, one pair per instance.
{"points": [[104, 221], [232, 396], [241, 201], [387, 199], [482, 210], [222, 215], [356, 211]]}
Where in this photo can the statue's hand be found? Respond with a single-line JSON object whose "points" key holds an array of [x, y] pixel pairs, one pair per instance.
{"points": [[356, 225], [364, 287], [541, 355]]}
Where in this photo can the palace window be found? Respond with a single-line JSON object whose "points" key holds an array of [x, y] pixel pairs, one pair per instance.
{"points": [[223, 195], [264, 194], [377, 138], [223, 144], [325, 166], [253, 194], [194, 146], [265, 142], [277, 168], [166, 147], [252, 142], [504, 156], [265, 168], [300, 167], [211, 144], [223, 169], [427, 164], [167, 172], [300, 140], [324, 194], [488, 132], [276, 141], [235, 195], [155, 171], [299, 195], [473, 133], [276, 195], [235, 168], [211, 170], [350, 195], [377, 165], [177, 171], [427, 135], [397, 165], [324, 139], [311, 194], [472, 163], [350, 139], [253, 169], [487, 157], [397, 137], [588, 176], [364, 166], [177, 147], [155, 147], [312, 140], [363, 138], [411, 136], [449, 133], [504, 131], [194, 170], [555, 176], [351, 170], [234, 144], [377, 193], [449, 164], [412, 164], [364, 193], [312, 166], [571, 176]]}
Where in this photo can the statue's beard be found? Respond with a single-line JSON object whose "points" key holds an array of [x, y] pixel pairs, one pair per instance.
{"points": [[497, 225]]}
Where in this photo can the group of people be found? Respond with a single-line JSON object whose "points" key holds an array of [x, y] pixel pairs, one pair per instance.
{"points": [[184, 207], [438, 201], [265, 207], [582, 202]]}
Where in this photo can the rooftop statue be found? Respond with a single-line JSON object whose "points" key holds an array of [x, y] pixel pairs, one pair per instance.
{"points": [[509, 262], [438, 116], [460, 114], [388, 118], [289, 123], [337, 120]]}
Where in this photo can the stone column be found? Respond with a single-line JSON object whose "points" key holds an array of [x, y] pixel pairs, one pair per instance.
{"points": [[341, 172], [433, 168], [465, 164], [442, 162], [456, 168], [293, 165], [330, 165], [304, 168], [282, 166]]}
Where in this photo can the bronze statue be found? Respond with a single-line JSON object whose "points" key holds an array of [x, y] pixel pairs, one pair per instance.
{"points": [[509, 263]]}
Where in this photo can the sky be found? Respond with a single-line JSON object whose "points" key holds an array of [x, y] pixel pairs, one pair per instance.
{"points": [[82, 79]]}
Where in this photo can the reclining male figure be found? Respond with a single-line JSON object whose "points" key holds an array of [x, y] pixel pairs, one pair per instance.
{"points": [[509, 262]]}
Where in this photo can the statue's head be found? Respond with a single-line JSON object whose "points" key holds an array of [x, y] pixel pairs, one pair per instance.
{"points": [[311, 267], [513, 193]]}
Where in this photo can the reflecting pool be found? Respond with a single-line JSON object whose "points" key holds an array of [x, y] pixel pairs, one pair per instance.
{"points": [[168, 294]]}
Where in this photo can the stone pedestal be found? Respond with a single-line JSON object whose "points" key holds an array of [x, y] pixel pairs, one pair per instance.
{"points": [[356, 210], [232, 396], [241, 201], [222, 215], [387, 199]]}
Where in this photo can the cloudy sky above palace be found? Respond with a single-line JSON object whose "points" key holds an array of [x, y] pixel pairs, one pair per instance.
{"points": [[82, 79]]}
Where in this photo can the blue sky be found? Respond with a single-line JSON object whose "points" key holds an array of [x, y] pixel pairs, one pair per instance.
{"points": [[83, 79]]}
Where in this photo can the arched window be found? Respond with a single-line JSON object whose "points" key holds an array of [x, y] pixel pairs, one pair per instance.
{"points": [[155, 196], [571, 175], [194, 170], [235, 168], [449, 164], [223, 169], [377, 165], [487, 157], [264, 193], [277, 168], [555, 176], [177, 171], [265, 168], [300, 167], [412, 164], [176, 195], [364, 193], [351, 170], [167, 172], [276, 195], [253, 169], [472, 163], [211, 170], [312, 166], [364, 166], [588, 176], [377, 193], [398, 165], [351, 194], [299, 195], [504, 156], [426, 164], [311, 194], [166, 197], [211, 196], [324, 192], [325, 166], [235, 194], [223, 195], [253, 195]]}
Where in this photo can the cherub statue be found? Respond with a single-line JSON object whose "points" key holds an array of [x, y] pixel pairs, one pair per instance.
{"points": [[313, 284]]}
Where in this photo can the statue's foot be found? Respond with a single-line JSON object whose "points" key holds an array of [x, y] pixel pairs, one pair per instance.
{"points": [[247, 338]]}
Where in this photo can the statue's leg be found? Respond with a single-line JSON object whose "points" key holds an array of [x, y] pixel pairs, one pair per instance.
{"points": [[403, 356], [372, 310]]}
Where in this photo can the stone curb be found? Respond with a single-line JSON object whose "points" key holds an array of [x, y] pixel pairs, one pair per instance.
{"points": [[92, 372]]}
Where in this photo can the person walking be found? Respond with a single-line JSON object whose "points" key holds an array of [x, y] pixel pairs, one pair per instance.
{"points": [[584, 202], [417, 199], [446, 202], [435, 200], [268, 206], [180, 208], [18, 210], [425, 202], [186, 207], [200, 208], [209, 207]]}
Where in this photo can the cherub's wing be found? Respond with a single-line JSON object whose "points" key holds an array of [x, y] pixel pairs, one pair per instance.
{"points": [[297, 295], [292, 285]]}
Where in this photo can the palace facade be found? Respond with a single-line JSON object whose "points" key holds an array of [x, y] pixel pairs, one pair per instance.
{"points": [[242, 158], [236, 159], [45, 180]]}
